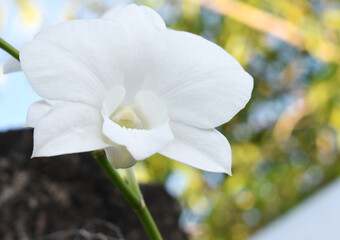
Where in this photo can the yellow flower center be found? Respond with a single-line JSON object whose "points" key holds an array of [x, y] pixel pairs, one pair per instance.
{"points": [[125, 116]]}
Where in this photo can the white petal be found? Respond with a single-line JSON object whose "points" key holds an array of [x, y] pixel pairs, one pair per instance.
{"points": [[136, 18], [68, 128], [119, 157], [36, 111], [199, 82], [78, 60], [12, 65], [151, 109], [143, 24], [205, 149], [139, 142], [113, 99]]}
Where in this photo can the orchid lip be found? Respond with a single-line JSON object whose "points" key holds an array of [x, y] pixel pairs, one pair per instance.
{"points": [[143, 128]]}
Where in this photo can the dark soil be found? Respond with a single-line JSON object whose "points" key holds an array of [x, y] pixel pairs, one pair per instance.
{"points": [[69, 197]]}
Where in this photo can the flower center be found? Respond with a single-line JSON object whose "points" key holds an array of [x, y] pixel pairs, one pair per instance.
{"points": [[125, 116]]}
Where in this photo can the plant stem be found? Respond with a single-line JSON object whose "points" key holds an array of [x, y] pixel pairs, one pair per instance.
{"points": [[133, 181], [9, 49], [134, 199]]}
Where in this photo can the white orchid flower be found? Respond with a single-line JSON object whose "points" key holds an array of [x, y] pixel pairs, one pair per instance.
{"points": [[129, 85]]}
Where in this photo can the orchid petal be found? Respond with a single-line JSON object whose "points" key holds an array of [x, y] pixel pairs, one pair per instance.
{"points": [[151, 109], [68, 128], [140, 143], [36, 111], [199, 82], [11, 65], [79, 60], [113, 99], [205, 149], [119, 157], [143, 25], [136, 18]]}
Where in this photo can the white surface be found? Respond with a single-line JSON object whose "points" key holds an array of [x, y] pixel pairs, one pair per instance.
{"points": [[317, 218]]}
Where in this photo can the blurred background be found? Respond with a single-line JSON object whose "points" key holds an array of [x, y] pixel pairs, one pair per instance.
{"points": [[285, 143]]}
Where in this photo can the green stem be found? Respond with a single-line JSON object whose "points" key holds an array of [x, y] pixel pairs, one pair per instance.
{"points": [[133, 181], [133, 198], [9, 49]]}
